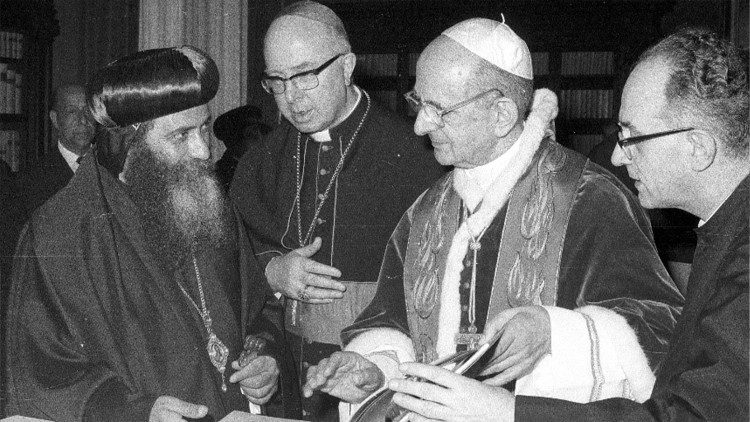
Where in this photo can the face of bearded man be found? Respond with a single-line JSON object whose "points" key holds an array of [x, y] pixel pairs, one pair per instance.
{"points": [[180, 200]]}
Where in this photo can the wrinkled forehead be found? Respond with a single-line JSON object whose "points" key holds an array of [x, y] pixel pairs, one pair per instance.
{"points": [[292, 41]]}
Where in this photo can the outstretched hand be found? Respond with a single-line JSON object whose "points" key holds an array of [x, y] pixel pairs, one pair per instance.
{"points": [[298, 277], [525, 338], [346, 375], [449, 397]]}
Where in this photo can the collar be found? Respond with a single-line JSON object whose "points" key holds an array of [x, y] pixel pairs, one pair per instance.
{"points": [[70, 157], [471, 184], [727, 210], [325, 135]]}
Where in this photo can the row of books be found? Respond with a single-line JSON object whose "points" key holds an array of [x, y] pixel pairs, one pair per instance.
{"points": [[584, 143], [10, 90], [574, 63], [586, 103], [11, 45], [9, 147], [377, 64]]}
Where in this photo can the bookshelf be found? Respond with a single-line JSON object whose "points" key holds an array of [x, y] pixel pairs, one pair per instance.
{"points": [[27, 29], [581, 50]]}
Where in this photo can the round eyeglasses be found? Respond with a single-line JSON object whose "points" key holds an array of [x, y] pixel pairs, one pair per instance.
{"points": [[434, 112], [304, 80], [626, 143]]}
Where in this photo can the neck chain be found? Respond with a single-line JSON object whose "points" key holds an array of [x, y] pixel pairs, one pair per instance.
{"points": [[474, 246], [218, 353], [304, 240]]}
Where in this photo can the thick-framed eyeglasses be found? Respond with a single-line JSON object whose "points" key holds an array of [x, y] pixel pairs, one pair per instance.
{"points": [[304, 80], [436, 113], [625, 143]]}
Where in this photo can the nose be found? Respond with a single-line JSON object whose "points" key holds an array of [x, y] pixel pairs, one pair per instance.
{"points": [[200, 146], [291, 91], [619, 158], [424, 125]]}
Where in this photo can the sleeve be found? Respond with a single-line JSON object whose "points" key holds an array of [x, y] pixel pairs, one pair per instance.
{"points": [[388, 307], [251, 193], [714, 387], [609, 260], [49, 374]]}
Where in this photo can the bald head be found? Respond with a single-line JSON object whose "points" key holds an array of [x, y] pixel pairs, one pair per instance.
{"points": [[473, 73], [303, 38]]}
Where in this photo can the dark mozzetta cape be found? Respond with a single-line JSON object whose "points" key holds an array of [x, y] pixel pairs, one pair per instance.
{"points": [[387, 168], [604, 256], [97, 330], [705, 374], [44, 180]]}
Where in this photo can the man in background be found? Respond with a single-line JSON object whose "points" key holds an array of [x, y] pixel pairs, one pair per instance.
{"points": [[74, 129], [132, 291], [685, 140], [322, 192], [238, 129]]}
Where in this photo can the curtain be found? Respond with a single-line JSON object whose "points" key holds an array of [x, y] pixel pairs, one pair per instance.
{"points": [[218, 27]]}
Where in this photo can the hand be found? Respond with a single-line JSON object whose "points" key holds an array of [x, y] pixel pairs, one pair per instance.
{"points": [[450, 397], [346, 375], [525, 339], [298, 277], [258, 379], [171, 409]]}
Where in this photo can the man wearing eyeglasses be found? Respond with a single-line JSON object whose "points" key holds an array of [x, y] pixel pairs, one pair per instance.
{"points": [[684, 139], [322, 193], [525, 239]]}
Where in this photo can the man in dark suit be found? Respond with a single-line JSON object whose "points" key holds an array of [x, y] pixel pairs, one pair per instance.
{"points": [[74, 129]]}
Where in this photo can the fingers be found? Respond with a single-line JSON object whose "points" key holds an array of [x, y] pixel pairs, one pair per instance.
{"points": [[310, 294], [315, 267], [256, 373], [422, 390], [427, 409], [260, 395], [435, 374], [325, 283], [311, 249], [168, 408]]}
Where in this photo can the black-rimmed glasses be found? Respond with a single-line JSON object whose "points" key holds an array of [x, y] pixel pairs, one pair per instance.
{"points": [[304, 80], [625, 142], [435, 113]]}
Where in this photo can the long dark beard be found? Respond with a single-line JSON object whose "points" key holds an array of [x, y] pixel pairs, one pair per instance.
{"points": [[179, 204]]}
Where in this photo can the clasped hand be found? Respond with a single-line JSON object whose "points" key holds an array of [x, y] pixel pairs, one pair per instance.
{"points": [[298, 277], [258, 381], [525, 338], [346, 375]]}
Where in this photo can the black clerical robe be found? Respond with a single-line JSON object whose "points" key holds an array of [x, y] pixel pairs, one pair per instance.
{"points": [[97, 329], [385, 169], [571, 235], [705, 373]]}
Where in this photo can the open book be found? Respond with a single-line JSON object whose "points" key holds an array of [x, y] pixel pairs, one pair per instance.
{"points": [[379, 407]]}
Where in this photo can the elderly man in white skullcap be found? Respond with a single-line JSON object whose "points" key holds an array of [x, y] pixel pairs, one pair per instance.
{"points": [[524, 240]]}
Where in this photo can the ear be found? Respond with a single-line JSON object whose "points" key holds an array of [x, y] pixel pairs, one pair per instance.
{"points": [[350, 61], [53, 119], [704, 147], [505, 115]]}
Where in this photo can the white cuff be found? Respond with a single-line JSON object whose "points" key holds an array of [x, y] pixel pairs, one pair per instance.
{"points": [[595, 355]]}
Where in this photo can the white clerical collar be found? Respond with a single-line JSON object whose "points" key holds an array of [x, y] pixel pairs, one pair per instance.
{"points": [[325, 135], [471, 184], [70, 157]]}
